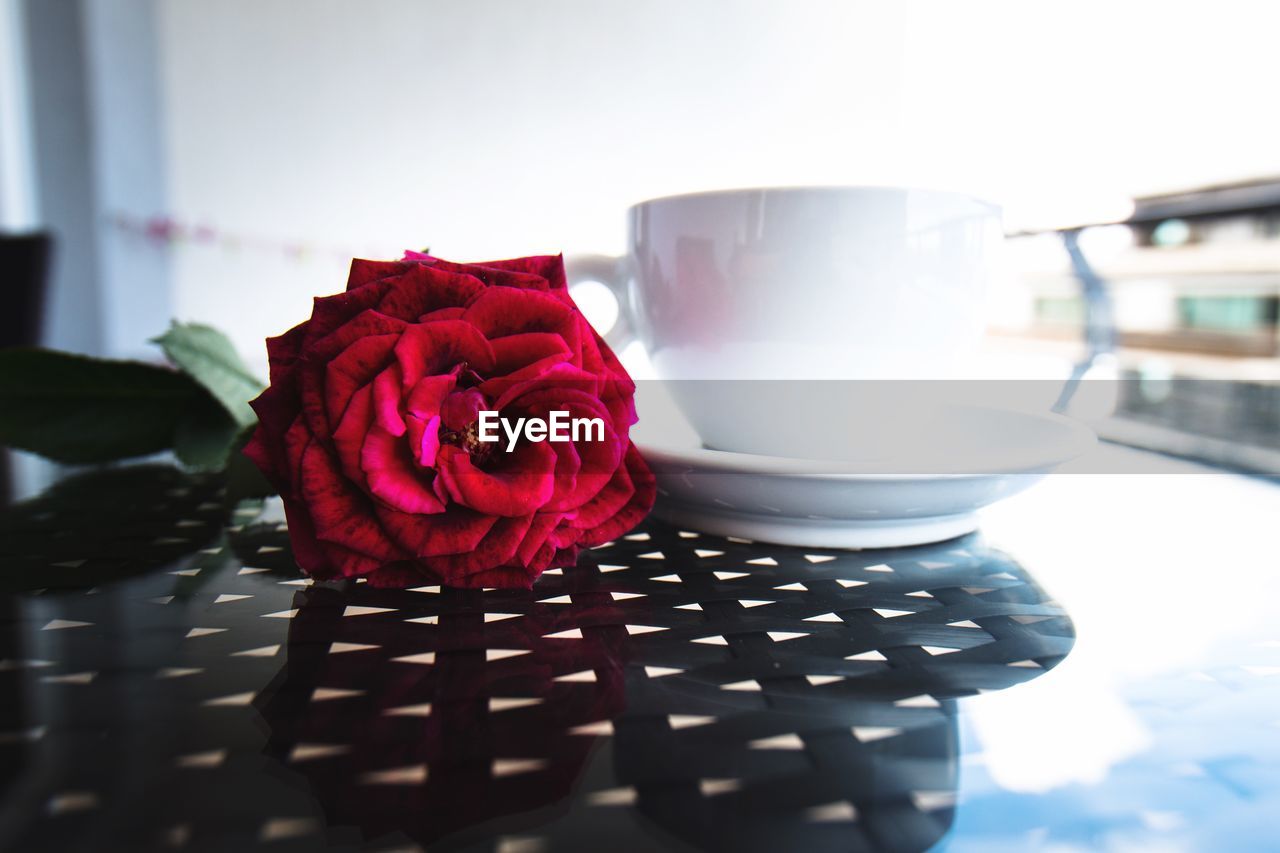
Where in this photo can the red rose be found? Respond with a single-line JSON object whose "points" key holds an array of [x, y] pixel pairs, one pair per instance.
{"points": [[369, 428]]}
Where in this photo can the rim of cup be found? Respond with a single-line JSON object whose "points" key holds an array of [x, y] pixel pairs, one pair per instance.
{"points": [[992, 206]]}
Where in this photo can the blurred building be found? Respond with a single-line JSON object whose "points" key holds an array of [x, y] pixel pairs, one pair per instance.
{"points": [[1188, 272], [1181, 300]]}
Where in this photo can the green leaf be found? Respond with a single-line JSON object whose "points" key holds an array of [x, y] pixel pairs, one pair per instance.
{"points": [[74, 409], [205, 437], [208, 356]]}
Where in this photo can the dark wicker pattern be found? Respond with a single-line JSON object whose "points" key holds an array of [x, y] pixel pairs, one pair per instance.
{"points": [[675, 690]]}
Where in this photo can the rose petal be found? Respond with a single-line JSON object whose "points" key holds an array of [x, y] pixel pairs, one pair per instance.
{"points": [[429, 349], [423, 420], [312, 368], [499, 577], [502, 311], [524, 483], [302, 540], [456, 530], [401, 575], [386, 399], [562, 375], [354, 368], [392, 476], [348, 563], [549, 267], [321, 560], [297, 438], [495, 276], [283, 351], [277, 408], [644, 490], [428, 395], [536, 536], [442, 314], [497, 549], [330, 312], [551, 557], [607, 502], [364, 272], [568, 494], [461, 409], [515, 352], [523, 358], [591, 462], [348, 438], [424, 289], [322, 348], [341, 514]]}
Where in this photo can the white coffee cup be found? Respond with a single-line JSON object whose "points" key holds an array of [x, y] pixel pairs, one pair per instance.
{"points": [[817, 283]]}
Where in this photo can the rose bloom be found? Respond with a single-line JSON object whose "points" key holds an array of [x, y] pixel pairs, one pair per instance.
{"points": [[369, 428]]}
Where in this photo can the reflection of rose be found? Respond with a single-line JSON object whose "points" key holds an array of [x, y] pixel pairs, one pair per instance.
{"points": [[369, 428], [432, 749]]}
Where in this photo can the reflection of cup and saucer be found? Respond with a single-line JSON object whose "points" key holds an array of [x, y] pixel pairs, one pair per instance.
{"points": [[806, 343]]}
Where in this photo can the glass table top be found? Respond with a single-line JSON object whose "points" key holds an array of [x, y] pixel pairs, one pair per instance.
{"points": [[170, 682]]}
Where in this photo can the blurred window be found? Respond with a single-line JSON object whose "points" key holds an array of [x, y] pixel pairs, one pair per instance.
{"points": [[1228, 313], [1171, 232], [1060, 310]]}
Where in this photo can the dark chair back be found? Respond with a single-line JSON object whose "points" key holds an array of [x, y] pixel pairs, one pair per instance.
{"points": [[24, 270], [24, 274]]}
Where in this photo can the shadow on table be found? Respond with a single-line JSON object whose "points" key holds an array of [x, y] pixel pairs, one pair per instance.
{"points": [[108, 524], [675, 690]]}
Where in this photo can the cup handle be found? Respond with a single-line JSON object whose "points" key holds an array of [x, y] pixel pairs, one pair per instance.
{"points": [[612, 273]]}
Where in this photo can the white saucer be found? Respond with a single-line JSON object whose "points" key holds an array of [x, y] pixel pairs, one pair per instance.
{"points": [[864, 502]]}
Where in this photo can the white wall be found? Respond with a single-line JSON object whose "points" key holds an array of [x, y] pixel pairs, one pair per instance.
{"points": [[493, 128], [496, 127], [1065, 109], [81, 138], [121, 49], [18, 206], [61, 179]]}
